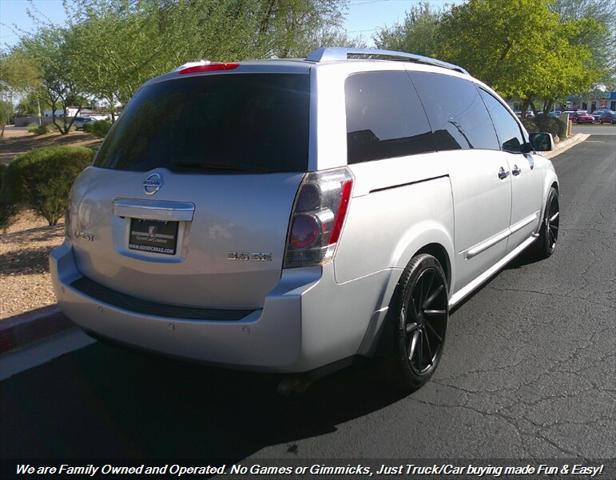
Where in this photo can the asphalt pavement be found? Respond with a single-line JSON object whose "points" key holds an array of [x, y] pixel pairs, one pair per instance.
{"points": [[529, 372], [595, 129]]}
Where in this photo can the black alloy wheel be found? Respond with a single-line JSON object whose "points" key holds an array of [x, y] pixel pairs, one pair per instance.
{"points": [[552, 222], [420, 312], [426, 321], [545, 245]]}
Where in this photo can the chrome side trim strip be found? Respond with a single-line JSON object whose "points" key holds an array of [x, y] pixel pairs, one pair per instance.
{"points": [[469, 288], [154, 209], [480, 247], [522, 223]]}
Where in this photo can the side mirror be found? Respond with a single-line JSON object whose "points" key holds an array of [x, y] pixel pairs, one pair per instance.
{"points": [[542, 141]]}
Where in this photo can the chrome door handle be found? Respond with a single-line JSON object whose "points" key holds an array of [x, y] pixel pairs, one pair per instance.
{"points": [[502, 173], [154, 209], [516, 170]]}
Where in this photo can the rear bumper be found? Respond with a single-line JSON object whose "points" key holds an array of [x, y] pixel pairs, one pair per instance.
{"points": [[306, 322]]}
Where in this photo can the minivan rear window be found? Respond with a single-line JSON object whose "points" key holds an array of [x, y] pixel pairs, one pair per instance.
{"points": [[249, 123]]}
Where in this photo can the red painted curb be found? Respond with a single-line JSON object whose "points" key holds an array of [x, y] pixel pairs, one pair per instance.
{"points": [[21, 330]]}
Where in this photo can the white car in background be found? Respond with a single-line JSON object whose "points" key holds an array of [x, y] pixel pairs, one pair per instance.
{"points": [[81, 121]]}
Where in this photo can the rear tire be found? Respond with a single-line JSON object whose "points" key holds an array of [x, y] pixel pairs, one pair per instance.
{"points": [[545, 245], [417, 324]]}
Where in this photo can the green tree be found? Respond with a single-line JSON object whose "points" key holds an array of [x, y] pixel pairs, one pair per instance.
{"points": [[122, 44], [416, 34], [519, 47], [21, 75], [32, 104], [292, 28], [54, 50], [602, 40]]}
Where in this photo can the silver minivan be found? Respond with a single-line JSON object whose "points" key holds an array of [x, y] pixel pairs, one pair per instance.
{"points": [[294, 215]]}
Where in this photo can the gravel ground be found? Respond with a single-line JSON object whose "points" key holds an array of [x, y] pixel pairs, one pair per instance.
{"points": [[11, 131], [24, 272]]}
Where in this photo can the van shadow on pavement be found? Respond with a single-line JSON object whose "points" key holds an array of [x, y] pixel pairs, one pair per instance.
{"points": [[105, 401]]}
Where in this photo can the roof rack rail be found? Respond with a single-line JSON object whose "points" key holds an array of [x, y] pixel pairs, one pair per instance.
{"points": [[328, 54]]}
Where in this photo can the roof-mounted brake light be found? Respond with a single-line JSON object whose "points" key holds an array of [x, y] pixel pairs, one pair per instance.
{"points": [[205, 66]]}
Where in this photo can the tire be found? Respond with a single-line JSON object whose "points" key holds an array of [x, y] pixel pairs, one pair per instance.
{"points": [[545, 245], [417, 335]]}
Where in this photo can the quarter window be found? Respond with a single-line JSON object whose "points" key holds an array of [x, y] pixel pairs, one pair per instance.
{"points": [[507, 127], [384, 117], [458, 117]]}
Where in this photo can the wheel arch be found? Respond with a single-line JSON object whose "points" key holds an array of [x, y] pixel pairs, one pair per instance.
{"points": [[551, 181], [425, 237], [440, 253], [433, 239]]}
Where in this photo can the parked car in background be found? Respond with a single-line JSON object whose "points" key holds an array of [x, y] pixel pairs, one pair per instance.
{"points": [[607, 116], [582, 116], [529, 114], [293, 215], [554, 114], [597, 113], [80, 122]]}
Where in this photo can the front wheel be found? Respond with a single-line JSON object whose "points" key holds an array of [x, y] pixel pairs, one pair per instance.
{"points": [[545, 245], [419, 316]]}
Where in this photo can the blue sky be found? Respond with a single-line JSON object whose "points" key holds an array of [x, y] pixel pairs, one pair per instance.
{"points": [[364, 16], [14, 13]]}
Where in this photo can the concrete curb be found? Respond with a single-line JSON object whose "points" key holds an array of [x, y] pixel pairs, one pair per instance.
{"points": [[566, 144], [21, 330]]}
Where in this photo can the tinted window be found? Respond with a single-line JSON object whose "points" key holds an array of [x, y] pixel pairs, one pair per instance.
{"points": [[384, 117], [507, 128], [455, 110], [241, 122]]}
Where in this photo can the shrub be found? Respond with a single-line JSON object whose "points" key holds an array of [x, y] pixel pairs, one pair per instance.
{"points": [[544, 123], [3, 169], [98, 128], [8, 208], [38, 129], [529, 124], [555, 126], [7, 213], [42, 179]]}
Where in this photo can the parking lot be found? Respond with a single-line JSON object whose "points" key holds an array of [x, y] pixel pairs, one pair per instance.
{"points": [[528, 373], [595, 129]]}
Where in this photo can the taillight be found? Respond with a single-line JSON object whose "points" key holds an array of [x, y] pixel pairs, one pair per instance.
{"points": [[205, 66], [318, 217]]}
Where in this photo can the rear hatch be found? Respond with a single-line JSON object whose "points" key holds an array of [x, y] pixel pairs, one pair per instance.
{"points": [[189, 199]]}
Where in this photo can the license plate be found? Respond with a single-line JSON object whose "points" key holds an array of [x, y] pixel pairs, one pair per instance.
{"points": [[153, 236]]}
